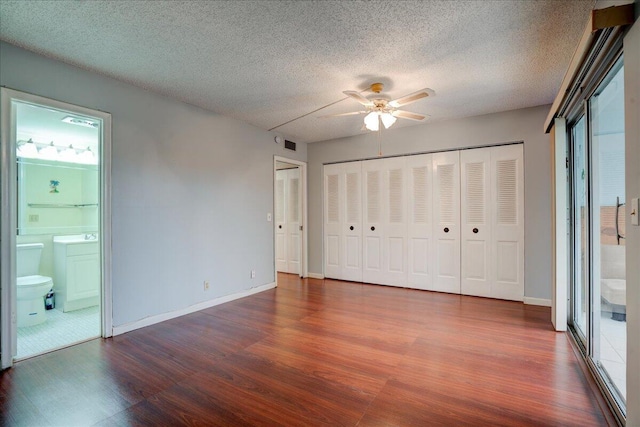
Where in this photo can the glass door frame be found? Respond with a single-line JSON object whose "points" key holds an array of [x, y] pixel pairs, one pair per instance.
{"points": [[589, 344], [8, 218]]}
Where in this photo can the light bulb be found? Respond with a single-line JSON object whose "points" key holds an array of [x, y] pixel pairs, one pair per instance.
{"points": [[371, 121], [50, 152], [87, 157], [387, 120], [69, 154], [28, 149]]}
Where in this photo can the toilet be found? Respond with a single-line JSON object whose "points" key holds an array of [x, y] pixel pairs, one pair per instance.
{"points": [[32, 287]]}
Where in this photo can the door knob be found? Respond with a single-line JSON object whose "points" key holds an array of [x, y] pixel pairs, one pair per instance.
{"points": [[475, 230], [351, 228], [373, 228], [280, 226], [446, 229]]}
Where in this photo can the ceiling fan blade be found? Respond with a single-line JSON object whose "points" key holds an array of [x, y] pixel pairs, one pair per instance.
{"points": [[407, 115], [412, 97], [357, 97], [353, 113]]}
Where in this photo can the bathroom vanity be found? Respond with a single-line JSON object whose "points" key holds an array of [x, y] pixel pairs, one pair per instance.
{"points": [[76, 271]]}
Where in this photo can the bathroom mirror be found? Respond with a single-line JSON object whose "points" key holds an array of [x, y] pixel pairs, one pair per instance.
{"points": [[57, 197]]}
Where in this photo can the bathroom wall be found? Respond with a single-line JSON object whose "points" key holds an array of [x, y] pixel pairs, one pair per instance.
{"points": [[77, 185], [190, 189], [510, 126]]}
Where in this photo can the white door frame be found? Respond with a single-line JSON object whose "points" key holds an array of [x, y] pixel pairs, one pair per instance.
{"points": [[304, 266], [8, 218]]}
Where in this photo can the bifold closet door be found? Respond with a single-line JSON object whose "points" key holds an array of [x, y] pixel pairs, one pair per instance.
{"points": [[385, 222], [343, 221], [476, 275], [493, 222], [420, 224], [446, 222], [507, 201]]}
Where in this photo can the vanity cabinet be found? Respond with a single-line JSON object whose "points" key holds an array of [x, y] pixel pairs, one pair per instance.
{"points": [[76, 272]]}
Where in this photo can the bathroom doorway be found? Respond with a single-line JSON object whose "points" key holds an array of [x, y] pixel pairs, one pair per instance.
{"points": [[290, 217], [55, 226]]}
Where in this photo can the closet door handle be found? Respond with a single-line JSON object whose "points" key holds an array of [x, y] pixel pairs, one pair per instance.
{"points": [[373, 228], [475, 230], [280, 226], [351, 228], [446, 229]]}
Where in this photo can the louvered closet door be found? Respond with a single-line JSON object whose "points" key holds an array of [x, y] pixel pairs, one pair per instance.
{"points": [[372, 234], [394, 230], [292, 198], [476, 272], [333, 213], [419, 214], [446, 225], [507, 182], [280, 222], [352, 224]]}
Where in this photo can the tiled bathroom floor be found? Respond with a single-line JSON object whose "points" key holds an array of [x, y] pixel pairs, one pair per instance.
{"points": [[60, 329]]}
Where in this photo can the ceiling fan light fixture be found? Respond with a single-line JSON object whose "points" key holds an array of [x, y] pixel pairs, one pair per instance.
{"points": [[387, 120], [371, 121]]}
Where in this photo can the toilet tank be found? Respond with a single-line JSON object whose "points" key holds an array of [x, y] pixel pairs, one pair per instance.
{"points": [[28, 259]]}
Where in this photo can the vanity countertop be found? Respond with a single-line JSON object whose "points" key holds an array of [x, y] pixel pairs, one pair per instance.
{"points": [[76, 238]]}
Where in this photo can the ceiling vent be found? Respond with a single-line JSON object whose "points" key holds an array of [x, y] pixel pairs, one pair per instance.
{"points": [[290, 145]]}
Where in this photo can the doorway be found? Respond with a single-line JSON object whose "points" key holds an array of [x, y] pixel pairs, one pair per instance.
{"points": [[290, 216], [55, 225]]}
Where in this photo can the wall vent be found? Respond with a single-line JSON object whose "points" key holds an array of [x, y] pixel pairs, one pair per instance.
{"points": [[290, 145]]}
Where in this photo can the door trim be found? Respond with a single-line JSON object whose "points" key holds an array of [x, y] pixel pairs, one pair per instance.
{"points": [[8, 218], [304, 265]]}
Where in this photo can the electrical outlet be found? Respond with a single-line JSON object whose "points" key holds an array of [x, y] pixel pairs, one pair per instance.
{"points": [[253, 274], [206, 285]]}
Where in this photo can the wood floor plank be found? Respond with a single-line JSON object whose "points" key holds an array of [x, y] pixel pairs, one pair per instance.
{"points": [[316, 352]]}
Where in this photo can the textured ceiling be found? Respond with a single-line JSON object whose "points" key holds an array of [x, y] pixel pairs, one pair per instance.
{"points": [[267, 62]]}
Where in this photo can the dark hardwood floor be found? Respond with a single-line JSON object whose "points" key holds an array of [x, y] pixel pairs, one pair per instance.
{"points": [[314, 352]]}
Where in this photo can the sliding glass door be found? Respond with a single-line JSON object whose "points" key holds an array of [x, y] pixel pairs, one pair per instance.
{"points": [[598, 285]]}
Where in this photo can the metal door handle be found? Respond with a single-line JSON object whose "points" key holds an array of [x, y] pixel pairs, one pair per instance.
{"points": [[373, 228], [446, 229], [475, 230], [351, 228], [280, 226]]}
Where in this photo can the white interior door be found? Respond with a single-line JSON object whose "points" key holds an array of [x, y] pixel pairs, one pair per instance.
{"points": [[446, 214], [280, 220], [476, 256], [373, 224], [333, 213], [507, 182], [394, 251], [419, 214], [293, 214], [351, 227]]}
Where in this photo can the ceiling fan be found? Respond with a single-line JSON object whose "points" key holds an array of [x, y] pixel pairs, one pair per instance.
{"points": [[380, 109]]}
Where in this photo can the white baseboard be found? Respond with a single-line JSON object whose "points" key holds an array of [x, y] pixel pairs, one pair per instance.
{"points": [[152, 320], [537, 301], [315, 276]]}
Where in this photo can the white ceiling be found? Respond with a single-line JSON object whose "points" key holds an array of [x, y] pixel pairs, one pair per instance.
{"points": [[268, 62]]}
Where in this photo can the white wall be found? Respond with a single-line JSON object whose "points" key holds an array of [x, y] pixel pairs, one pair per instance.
{"points": [[519, 125], [191, 189], [632, 167]]}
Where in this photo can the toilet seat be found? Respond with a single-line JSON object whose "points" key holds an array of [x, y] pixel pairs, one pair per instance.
{"points": [[33, 281]]}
